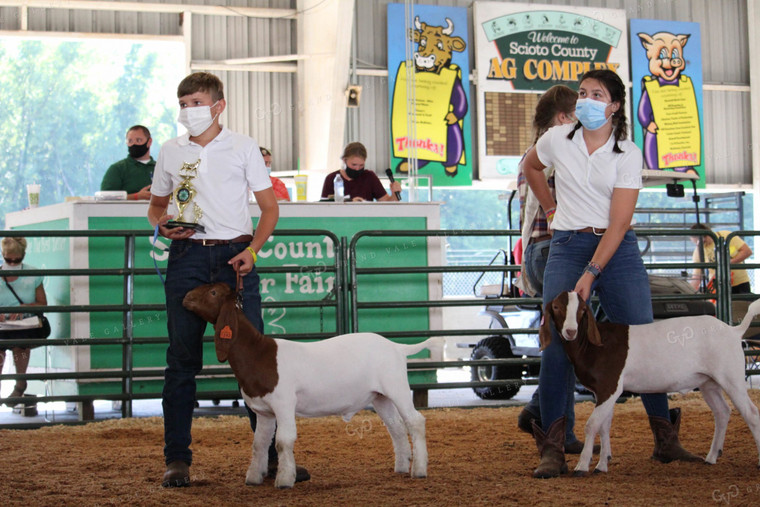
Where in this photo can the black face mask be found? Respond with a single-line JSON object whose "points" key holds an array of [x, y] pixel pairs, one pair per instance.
{"points": [[138, 150], [354, 173]]}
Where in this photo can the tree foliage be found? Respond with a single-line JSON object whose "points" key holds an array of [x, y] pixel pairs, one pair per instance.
{"points": [[63, 121]]}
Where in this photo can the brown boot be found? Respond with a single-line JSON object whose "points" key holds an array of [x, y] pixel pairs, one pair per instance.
{"points": [[177, 475], [551, 447], [667, 448], [525, 421]]}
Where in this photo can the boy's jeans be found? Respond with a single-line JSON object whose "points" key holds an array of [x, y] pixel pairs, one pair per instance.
{"points": [[191, 265]]}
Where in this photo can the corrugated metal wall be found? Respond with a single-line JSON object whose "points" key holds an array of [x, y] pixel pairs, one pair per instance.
{"points": [[725, 58], [264, 105], [261, 104]]}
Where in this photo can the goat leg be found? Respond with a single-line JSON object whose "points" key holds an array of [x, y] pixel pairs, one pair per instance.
{"points": [[599, 422], [285, 439], [260, 455]]}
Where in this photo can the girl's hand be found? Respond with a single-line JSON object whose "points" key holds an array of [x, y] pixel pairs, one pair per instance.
{"points": [[583, 286]]}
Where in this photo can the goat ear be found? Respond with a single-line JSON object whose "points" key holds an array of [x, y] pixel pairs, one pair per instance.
{"points": [[545, 330], [225, 330], [589, 324]]}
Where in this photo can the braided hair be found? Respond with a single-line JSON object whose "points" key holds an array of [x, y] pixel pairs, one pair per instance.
{"points": [[615, 87]]}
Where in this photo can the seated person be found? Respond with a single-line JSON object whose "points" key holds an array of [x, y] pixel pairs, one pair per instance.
{"points": [[358, 183], [18, 291], [739, 252], [133, 174], [280, 190]]}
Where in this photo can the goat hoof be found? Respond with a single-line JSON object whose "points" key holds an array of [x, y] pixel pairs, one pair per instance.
{"points": [[252, 481], [597, 471], [580, 473], [285, 487]]}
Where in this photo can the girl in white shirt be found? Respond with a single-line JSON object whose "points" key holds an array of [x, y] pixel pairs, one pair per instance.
{"points": [[593, 248]]}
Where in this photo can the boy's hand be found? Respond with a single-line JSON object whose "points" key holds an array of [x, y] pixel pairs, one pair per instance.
{"points": [[242, 262], [173, 232]]}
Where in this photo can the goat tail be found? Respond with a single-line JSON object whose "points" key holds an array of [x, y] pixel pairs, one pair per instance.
{"points": [[752, 311], [435, 345]]}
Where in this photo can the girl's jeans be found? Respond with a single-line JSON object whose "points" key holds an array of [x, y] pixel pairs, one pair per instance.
{"points": [[623, 290]]}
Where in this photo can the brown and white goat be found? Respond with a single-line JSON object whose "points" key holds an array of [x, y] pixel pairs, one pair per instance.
{"points": [[671, 355], [282, 379]]}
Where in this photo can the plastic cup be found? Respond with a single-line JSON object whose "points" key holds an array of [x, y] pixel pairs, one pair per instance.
{"points": [[33, 193], [301, 180]]}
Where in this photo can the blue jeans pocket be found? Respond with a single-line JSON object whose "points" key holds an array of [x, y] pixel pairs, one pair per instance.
{"points": [[178, 249], [562, 238]]}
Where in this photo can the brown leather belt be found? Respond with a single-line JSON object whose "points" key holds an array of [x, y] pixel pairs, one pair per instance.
{"points": [[245, 238], [545, 237], [594, 230]]}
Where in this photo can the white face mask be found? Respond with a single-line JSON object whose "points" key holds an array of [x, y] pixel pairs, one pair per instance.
{"points": [[197, 119]]}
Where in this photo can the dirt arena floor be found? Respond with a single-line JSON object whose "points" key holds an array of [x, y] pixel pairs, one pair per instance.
{"points": [[477, 457]]}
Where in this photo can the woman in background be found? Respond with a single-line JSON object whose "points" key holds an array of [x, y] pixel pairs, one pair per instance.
{"points": [[359, 184], [18, 291], [280, 190]]}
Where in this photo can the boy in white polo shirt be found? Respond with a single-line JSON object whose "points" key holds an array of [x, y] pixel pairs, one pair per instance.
{"points": [[223, 166]]}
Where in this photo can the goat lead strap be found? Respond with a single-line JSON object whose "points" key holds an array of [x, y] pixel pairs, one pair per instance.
{"points": [[239, 289]]}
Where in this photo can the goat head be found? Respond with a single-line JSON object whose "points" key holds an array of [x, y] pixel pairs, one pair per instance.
{"points": [[216, 303], [572, 318]]}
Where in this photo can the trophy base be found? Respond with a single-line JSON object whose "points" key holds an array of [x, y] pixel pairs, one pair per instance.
{"points": [[171, 224]]}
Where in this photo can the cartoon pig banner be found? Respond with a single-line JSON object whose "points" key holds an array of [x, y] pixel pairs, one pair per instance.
{"points": [[667, 87]]}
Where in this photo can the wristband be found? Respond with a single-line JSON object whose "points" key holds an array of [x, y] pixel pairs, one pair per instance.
{"points": [[253, 254], [594, 269], [550, 213]]}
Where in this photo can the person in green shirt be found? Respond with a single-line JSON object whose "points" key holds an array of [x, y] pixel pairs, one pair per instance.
{"points": [[135, 173]]}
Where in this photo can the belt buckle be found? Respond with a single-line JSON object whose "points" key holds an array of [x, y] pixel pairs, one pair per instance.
{"points": [[593, 229], [203, 242]]}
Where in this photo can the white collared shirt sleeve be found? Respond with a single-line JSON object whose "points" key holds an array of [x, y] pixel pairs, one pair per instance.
{"points": [[630, 164]]}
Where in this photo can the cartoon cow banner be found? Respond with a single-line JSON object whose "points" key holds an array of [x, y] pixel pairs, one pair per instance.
{"points": [[667, 94], [429, 96]]}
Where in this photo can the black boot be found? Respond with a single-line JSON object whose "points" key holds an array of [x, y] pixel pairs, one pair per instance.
{"points": [[667, 447], [302, 475]]}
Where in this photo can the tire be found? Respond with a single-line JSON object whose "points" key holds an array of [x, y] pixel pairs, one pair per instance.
{"points": [[495, 347]]}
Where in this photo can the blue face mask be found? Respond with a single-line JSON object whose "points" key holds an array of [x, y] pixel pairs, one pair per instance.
{"points": [[591, 113]]}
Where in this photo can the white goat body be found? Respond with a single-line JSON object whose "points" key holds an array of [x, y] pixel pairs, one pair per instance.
{"points": [[671, 355], [282, 379]]}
